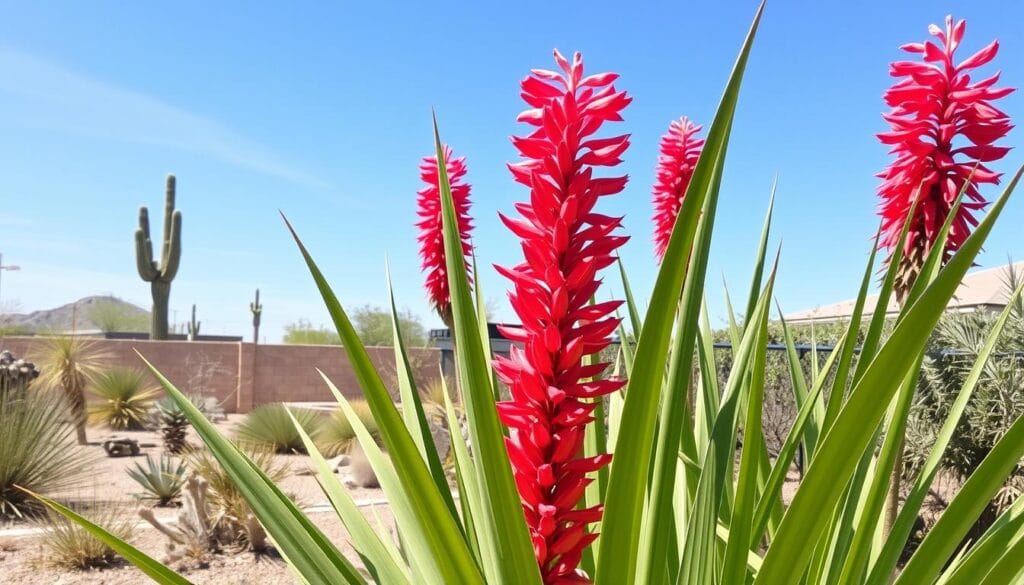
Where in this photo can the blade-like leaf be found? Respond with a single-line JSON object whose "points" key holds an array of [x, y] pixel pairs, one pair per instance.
{"points": [[618, 555], [305, 546], [847, 440], [503, 513], [148, 565], [375, 554], [447, 542]]}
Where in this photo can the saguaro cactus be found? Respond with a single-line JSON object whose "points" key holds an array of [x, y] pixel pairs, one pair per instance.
{"points": [[159, 274], [193, 325], [257, 311]]}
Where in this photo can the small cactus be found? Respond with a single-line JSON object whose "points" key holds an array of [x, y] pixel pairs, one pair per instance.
{"points": [[257, 312], [193, 325], [173, 425], [159, 274]]}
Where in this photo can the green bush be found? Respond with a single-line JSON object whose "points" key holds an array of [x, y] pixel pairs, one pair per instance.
{"points": [[37, 449], [270, 427], [124, 399], [336, 435]]}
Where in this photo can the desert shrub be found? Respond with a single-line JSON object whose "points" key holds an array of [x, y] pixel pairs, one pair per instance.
{"points": [[270, 427], [230, 514], [125, 399], [37, 449], [161, 478], [336, 435], [69, 546]]}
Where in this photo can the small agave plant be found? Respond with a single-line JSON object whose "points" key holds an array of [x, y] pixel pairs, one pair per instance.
{"points": [[584, 476]]}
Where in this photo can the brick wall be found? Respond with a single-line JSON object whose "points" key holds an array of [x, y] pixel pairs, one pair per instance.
{"points": [[242, 375]]}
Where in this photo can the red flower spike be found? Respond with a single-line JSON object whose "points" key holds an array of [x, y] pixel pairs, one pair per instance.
{"points": [[680, 149], [564, 245], [431, 237], [933, 104]]}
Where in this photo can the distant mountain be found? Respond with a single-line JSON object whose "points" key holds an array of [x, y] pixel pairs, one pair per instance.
{"points": [[104, 313]]}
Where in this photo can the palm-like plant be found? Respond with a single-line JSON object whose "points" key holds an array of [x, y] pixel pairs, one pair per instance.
{"points": [[69, 364], [123, 399], [677, 507]]}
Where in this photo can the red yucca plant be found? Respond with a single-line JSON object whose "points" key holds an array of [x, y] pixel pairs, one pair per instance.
{"points": [[675, 505], [934, 104], [680, 149], [431, 236], [565, 243]]}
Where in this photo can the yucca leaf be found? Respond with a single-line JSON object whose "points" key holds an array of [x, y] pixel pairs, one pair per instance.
{"points": [[618, 555], [447, 542], [309, 552], [153, 569], [503, 513], [998, 541], [847, 440], [632, 309], [412, 407], [376, 556], [762, 250], [962, 512], [904, 523]]}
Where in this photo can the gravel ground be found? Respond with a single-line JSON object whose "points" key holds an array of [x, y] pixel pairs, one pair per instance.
{"points": [[23, 559]]}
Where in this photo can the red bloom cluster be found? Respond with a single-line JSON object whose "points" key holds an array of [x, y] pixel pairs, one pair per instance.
{"points": [[680, 149], [565, 243], [934, 102], [431, 236]]}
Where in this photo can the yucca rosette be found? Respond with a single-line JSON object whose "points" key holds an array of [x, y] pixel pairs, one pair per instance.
{"points": [[678, 153], [943, 129], [431, 236], [565, 244]]}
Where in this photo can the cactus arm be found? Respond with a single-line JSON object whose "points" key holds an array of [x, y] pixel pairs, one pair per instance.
{"points": [[144, 250], [172, 247], [169, 192]]}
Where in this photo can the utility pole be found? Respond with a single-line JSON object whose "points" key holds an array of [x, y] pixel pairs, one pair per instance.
{"points": [[6, 267]]}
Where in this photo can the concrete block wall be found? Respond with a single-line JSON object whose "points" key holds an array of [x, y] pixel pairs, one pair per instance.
{"points": [[242, 376]]}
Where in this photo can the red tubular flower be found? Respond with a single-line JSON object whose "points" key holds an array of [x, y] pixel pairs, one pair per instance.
{"points": [[680, 149], [431, 236], [565, 243], [934, 103]]}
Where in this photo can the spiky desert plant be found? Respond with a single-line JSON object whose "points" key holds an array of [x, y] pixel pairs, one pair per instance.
{"points": [[68, 545], [942, 132], [193, 325], [160, 272], [566, 242], [123, 398], [69, 364], [430, 236], [256, 308], [723, 521], [679, 149], [37, 449], [172, 424], [943, 129], [270, 427], [161, 478]]}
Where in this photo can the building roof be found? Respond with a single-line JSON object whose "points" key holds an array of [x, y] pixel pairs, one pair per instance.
{"points": [[985, 288]]}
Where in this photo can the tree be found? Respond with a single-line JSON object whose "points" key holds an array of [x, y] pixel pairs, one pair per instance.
{"points": [[302, 332], [112, 315], [373, 324], [69, 365]]}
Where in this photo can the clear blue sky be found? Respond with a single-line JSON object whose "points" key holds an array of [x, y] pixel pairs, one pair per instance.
{"points": [[324, 112]]}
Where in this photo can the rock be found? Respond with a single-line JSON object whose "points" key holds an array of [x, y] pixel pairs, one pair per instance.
{"points": [[338, 462], [442, 439], [120, 447], [361, 472]]}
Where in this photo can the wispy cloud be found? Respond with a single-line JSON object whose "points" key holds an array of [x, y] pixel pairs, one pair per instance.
{"points": [[51, 96]]}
